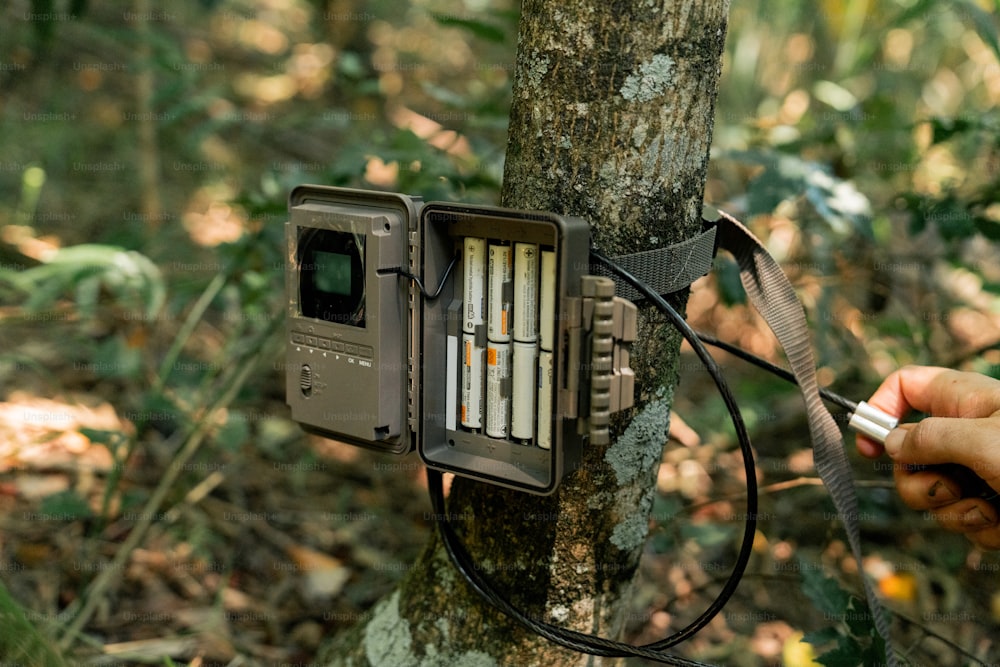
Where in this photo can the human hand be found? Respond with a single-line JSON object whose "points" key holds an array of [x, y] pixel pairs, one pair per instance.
{"points": [[944, 462]]}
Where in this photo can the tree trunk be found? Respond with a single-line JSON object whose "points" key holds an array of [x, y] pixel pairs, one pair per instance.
{"points": [[612, 122]]}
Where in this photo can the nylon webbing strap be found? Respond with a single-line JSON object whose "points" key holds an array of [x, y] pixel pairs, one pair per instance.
{"points": [[775, 299], [666, 269]]}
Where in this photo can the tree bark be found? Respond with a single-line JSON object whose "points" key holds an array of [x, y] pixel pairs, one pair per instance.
{"points": [[611, 121]]}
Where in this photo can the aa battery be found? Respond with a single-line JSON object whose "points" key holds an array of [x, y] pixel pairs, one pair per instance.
{"points": [[498, 379], [525, 292], [451, 382], [547, 326], [544, 439], [522, 415], [472, 382], [547, 300], [501, 292], [474, 283]]}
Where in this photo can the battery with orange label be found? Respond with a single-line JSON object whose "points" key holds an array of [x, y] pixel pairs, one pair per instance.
{"points": [[500, 268], [472, 382], [498, 379]]}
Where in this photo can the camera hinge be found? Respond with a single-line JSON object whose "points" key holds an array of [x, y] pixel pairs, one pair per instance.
{"points": [[413, 353], [599, 381]]}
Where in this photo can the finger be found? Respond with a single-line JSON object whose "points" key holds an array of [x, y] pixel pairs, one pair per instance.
{"points": [[941, 392], [969, 515], [924, 490], [906, 389], [892, 398], [987, 538], [868, 448], [973, 443]]}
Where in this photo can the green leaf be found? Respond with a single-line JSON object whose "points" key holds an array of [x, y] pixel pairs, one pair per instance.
{"points": [[66, 505], [115, 358], [983, 21], [351, 64], [708, 535], [916, 205], [847, 654], [43, 20], [159, 411], [20, 641], [444, 96], [727, 276], [132, 278], [785, 177], [838, 202], [235, 431], [860, 622], [952, 219], [988, 228], [478, 28], [944, 129], [110, 438], [875, 654], [77, 8], [824, 591], [822, 637], [917, 10]]}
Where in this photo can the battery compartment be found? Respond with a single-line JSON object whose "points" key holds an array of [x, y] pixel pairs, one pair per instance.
{"points": [[451, 440]]}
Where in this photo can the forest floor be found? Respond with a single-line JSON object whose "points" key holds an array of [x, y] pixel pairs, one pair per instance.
{"points": [[260, 553], [174, 533]]}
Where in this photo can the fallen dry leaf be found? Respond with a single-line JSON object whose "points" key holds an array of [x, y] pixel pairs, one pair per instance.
{"points": [[323, 576], [43, 433]]}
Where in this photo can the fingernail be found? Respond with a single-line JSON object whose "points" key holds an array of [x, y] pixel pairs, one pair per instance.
{"points": [[941, 492], [977, 519], [894, 441]]}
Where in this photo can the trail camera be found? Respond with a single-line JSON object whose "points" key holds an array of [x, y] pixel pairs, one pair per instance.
{"points": [[473, 334]]}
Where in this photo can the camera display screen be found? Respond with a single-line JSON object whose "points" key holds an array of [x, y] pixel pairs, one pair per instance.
{"points": [[332, 276], [333, 272]]}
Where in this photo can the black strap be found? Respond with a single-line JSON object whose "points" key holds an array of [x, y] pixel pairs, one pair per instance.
{"points": [[775, 299], [667, 269], [675, 267]]}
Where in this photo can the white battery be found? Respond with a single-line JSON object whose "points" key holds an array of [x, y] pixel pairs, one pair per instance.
{"points": [[472, 382], [522, 393], [451, 382], [474, 283], [547, 300], [498, 379], [545, 384], [525, 292], [501, 276]]}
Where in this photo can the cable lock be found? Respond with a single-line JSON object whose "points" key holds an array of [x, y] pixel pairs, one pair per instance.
{"points": [[865, 419], [593, 644], [869, 420]]}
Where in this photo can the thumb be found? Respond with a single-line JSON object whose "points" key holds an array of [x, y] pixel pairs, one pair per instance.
{"points": [[973, 443]]}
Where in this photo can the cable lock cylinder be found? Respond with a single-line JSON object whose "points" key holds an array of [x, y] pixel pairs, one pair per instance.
{"points": [[869, 420]]}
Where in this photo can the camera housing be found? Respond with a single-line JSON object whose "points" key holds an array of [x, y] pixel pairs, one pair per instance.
{"points": [[349, 325], [537, 463], [486, 374]]}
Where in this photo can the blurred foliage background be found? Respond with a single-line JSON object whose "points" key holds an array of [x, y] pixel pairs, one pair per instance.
{"points": [[157, 504]]}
